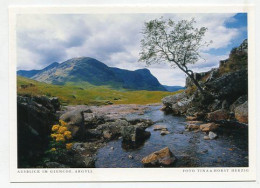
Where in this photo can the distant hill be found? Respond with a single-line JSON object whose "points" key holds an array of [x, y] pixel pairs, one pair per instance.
{"points": [[86, 69], [173, 88], [31, 73]]}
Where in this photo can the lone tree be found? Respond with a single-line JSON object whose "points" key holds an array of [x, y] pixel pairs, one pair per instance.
{"points": [[177, 43]]}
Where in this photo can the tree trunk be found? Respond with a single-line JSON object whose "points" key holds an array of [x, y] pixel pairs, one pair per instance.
{"points": [[195, 82]]}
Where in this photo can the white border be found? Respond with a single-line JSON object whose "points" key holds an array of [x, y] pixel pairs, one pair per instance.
{"points": [[130, 174]]}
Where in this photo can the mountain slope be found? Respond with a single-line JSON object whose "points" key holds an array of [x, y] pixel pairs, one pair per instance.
{"points": [[31, 73], [89, 95], [92, 71]]}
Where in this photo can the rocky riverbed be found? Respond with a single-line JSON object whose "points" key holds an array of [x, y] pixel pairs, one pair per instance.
{"points": [[128, 136], [188, 145]]}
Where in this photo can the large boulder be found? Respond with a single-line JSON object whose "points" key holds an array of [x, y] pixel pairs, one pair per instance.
{"points": [[168, 101], [163, 157], [112, 130], [75, 120], [241, 113], [133, 135], [229, 86], [238, 102], [208, 127], [142, 123], [218, 115], [178, 104], [36, 115]]}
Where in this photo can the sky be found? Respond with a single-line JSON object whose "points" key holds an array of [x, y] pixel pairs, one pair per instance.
{"points": [[114, 39]]}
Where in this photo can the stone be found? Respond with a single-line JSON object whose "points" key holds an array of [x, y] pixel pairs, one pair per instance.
{"points": [[230, 85], [238, 102], [82, 161], [142, 123], [212, 75], [35, 117], [171, 99], [163, 108], [241, 113], [107, 134], [164, 133], [134, 135], [159, 127], [163, 157], [208, 127], [212, 135], [78, 147], [199, 115], [192, 127], [178, 104], [55, 102], [206, 138], [112, 130], [130, 157], [191, 118], [74, 118], [218, 115], [164, 129], [89, 162], [195, 122], [93, 134]]}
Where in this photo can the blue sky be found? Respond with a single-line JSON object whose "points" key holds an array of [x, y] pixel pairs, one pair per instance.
{"points": [[115, 40], [238, 21]]}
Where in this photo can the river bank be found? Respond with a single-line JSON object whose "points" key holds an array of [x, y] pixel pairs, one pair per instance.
{"points": [[106, 142], [126, 136]]}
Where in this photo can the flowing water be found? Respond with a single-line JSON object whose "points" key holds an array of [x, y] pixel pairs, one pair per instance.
{"points": [[230, 149]]}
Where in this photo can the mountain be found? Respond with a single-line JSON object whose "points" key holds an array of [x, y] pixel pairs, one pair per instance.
{"points": [[86, 69], [31, 73], [173, 88]]}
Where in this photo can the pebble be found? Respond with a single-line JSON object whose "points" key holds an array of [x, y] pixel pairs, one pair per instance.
{"points": [[164, 133], [130, 157], [112, 148], [212, 135], [206, 138]]}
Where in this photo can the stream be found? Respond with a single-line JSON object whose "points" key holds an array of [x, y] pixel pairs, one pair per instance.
{"points": [[230, 149]]}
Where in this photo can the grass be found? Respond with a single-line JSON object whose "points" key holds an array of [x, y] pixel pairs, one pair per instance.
{"points": [[88, 94]]}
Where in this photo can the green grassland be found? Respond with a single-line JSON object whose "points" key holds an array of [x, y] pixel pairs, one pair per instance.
{"points": [[85, 93]]}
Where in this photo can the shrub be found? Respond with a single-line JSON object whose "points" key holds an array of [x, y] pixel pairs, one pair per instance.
{"points": [[60, 142]]}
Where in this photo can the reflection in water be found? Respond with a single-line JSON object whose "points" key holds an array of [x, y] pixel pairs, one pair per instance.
{"points": [[230, 149]]}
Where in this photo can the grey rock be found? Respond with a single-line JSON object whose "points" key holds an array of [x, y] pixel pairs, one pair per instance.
{"points": [[229, 86], [164, 133], [35, 116], [212, 135], [241, 113], [238, 102], [133, 135]]}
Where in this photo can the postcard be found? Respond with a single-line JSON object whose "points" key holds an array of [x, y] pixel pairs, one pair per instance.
{"points": [[132, 93]]}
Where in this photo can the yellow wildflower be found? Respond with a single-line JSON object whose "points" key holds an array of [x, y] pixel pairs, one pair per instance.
{"points": [[53, 135], [62, 129], [67, 134], [53, 149], [55, 127], [62, 123], [60, 137], [68, 146]]}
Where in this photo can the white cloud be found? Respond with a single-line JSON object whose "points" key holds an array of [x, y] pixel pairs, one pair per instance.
{"points": [[112, 39]]}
